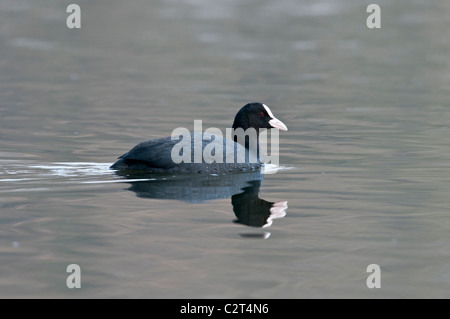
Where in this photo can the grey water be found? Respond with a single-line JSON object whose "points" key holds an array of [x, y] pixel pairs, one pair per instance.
{"points": [[364, 172]]}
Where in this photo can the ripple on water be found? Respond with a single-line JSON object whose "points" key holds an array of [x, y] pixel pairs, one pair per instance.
{"points": [[31, 176]]}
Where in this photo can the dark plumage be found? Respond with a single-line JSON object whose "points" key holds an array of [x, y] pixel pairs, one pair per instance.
{"points": [[156, 155]]}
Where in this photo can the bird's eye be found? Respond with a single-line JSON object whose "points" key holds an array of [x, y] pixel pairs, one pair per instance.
{"points": [[261, 114]]}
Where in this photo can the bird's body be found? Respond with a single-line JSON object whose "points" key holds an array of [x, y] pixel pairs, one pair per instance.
{"points": [[218, 154], [155, 156]]}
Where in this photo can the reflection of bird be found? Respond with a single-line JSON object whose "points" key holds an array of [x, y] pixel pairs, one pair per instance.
{"points": [[183, 187], [253, 211], [243, 188], [156, 155]]}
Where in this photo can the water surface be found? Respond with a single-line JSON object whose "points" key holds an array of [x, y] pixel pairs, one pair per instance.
{"points": [[365, 162]]}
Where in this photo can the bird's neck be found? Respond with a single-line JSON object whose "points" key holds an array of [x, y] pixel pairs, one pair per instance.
{"points": [[247, 138]]}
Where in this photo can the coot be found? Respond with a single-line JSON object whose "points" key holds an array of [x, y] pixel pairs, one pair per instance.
{"points": [[218, 154]]}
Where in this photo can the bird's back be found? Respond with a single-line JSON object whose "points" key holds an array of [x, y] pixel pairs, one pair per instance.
{"points": [[157, 155]]}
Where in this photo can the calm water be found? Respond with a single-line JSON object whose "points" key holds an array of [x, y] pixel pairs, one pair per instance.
{"points": [[365, 163]]}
